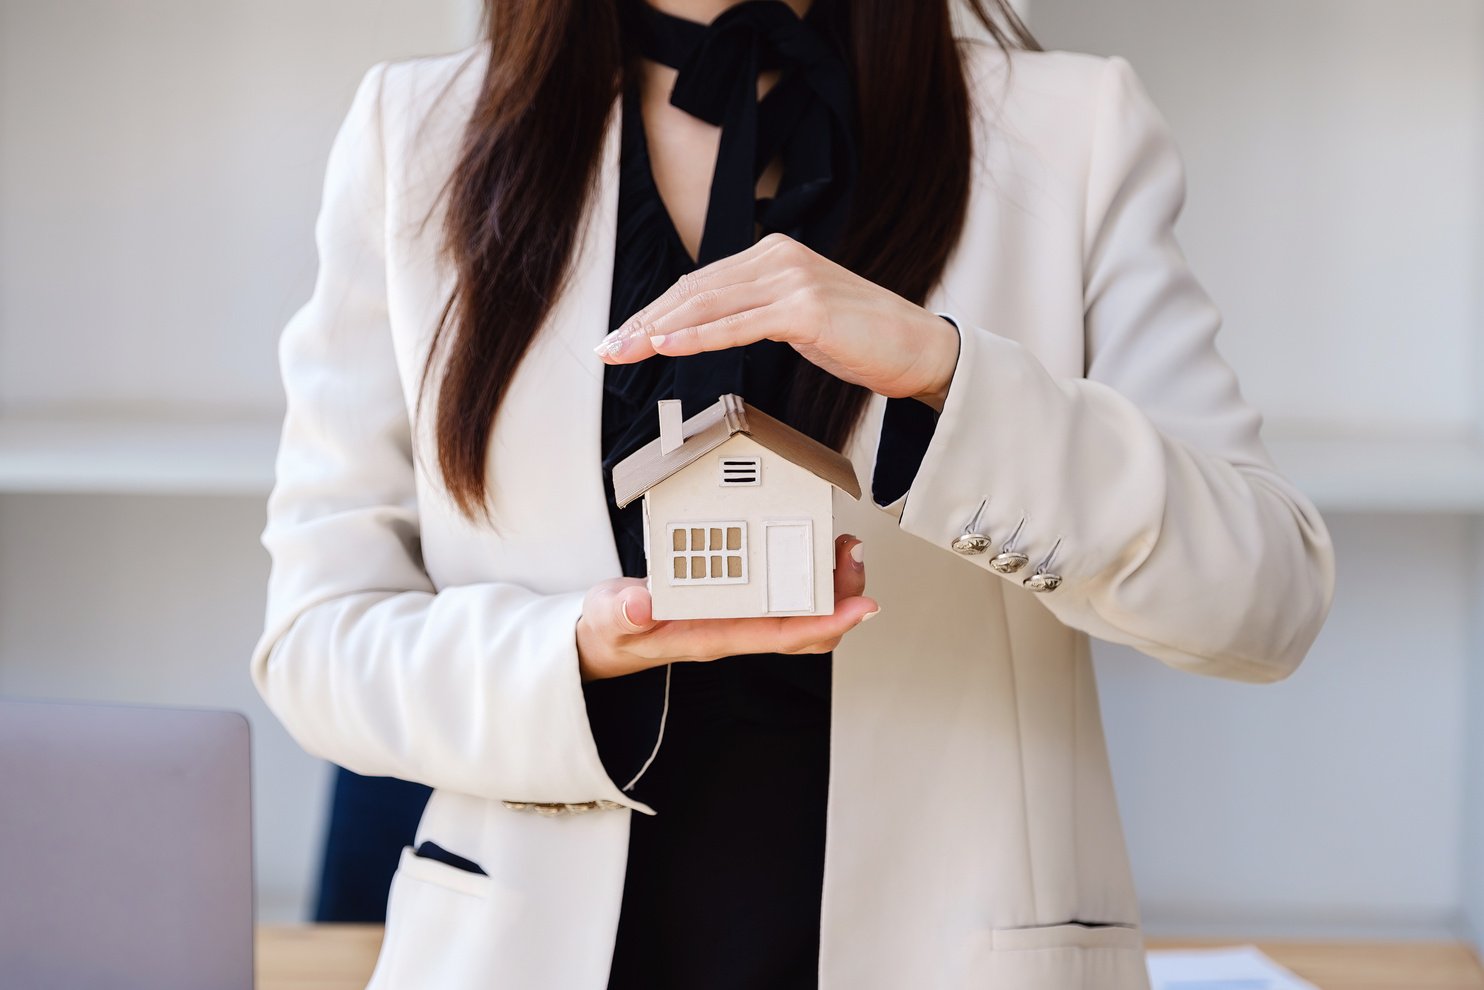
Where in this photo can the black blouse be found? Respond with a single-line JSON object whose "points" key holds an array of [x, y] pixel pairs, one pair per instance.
{"points": [[721, 890]]}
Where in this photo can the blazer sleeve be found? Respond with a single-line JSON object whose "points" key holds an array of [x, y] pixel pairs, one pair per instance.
{"points": [[473, 688], [1172, 531]]}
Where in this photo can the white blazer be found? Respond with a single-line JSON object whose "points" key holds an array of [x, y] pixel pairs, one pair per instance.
{"points": [[973, 836]]}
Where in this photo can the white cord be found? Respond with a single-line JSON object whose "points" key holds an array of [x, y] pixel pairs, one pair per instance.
{"points": [[665, 710]]}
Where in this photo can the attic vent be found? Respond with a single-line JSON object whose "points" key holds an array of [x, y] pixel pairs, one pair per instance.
{"points": [[741, 471]]}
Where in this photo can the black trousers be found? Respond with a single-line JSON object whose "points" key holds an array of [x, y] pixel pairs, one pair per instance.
{"points": [[724, 882]]}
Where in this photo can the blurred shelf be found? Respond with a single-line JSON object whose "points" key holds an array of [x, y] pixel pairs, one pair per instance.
{"points": [[134, 454], [164, 455], [1424, 473]]}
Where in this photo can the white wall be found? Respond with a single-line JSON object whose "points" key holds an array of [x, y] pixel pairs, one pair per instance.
{"points": [[160, 171], [1335, 208], [1335, 211], [1326, 804]]}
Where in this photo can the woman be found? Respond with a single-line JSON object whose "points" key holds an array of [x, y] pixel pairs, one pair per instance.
{"points": [[950, 259]]}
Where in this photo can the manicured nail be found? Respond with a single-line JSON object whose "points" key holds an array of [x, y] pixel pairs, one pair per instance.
{"points": [[870, 614], [624, 608], [610, 345], [858, 553], [658, 339]]}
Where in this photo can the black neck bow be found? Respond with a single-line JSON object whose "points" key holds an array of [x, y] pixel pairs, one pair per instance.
{"points": [[807, 116]]}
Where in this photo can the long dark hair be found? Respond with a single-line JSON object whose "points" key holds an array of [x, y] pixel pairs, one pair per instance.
{"points": [[529, 163]]}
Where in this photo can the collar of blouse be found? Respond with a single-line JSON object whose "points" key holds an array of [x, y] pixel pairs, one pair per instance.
{"points": [[807, 116]]}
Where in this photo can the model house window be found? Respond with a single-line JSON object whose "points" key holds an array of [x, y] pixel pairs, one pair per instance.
{"points": [[708, 553], [741, 471]]}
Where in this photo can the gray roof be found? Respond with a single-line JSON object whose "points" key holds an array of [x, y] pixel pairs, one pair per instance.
{"points": [[714, 426]]}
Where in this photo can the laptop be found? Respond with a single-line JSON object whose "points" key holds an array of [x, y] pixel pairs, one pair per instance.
{"points": [[125, 848]]}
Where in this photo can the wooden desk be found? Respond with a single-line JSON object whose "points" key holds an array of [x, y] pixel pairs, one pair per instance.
{"points": [[316, 957], [1365, 965], [340, 957]]}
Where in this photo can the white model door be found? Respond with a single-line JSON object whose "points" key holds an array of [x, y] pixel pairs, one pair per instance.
{"points": [[790, 565]]}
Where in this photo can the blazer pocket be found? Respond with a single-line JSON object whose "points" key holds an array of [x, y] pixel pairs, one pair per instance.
{"points": [[426, 869], [432, 850], [1069, 935], [440, 923]]}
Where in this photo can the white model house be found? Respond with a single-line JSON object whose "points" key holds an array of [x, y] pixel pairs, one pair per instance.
{"points": [[738, 514]]}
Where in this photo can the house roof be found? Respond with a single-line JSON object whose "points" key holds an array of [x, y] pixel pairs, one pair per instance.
{"points": [[714, 426]]}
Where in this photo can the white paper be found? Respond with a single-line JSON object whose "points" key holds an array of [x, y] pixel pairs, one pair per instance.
{"points": [[1242, 967]]}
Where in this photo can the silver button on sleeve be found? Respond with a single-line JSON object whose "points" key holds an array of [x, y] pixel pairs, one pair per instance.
{"points": [[1043, 579], [1009, 560], [972, 540]]}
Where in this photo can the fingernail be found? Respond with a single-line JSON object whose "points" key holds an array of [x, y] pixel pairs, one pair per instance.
{"points": [[657, 340], [871, 614], [623, 607], [858, 553], [610, 345]]}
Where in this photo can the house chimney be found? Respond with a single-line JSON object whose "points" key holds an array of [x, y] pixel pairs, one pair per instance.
{"points": [[671, 431]]}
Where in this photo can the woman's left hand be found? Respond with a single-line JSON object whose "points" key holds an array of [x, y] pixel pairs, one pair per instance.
{"points": [[780, 289]]}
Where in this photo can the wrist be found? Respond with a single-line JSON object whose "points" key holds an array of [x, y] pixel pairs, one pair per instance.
{"points": [[946, 344], [590, 666]]}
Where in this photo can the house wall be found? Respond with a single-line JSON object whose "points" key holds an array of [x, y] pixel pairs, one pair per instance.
{"points": [[694, 495]]}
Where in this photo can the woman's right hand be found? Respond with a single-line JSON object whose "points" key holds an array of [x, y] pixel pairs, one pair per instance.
{"points": [[617, 634]]}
